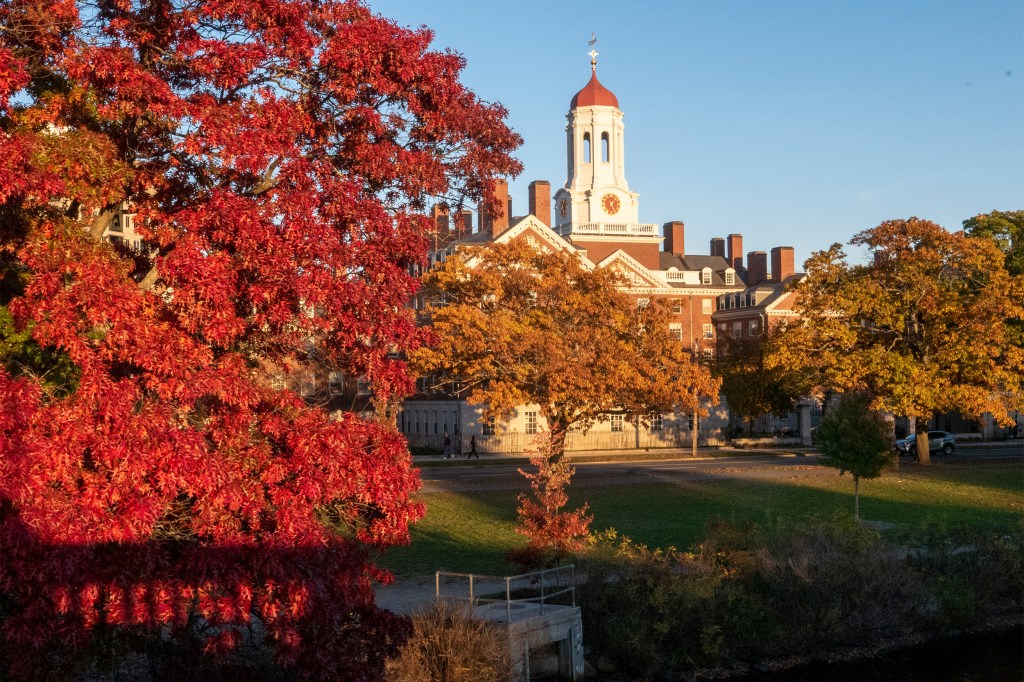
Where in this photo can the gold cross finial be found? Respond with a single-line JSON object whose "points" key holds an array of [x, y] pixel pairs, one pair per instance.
{"points": [[593, 52]]}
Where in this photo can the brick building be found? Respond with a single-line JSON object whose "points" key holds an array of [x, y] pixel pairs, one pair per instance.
{"points": [[596, 214]]}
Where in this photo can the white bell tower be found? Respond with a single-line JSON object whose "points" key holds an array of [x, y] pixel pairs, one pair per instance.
{"points": [[596, 191]]}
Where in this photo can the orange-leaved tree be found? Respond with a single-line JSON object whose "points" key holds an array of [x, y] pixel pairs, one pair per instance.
{"points": [[159, 492], [518, 325], [920, 325]]}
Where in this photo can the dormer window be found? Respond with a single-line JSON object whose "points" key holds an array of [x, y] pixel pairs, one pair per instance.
{"points": [[705, 276], [730, 277]]}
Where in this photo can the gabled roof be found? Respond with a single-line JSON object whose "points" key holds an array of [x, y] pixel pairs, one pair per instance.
{"points": [[637, 274]]}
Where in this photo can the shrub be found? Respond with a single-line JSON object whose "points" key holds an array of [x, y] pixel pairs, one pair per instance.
{"points": [[448, 646]]}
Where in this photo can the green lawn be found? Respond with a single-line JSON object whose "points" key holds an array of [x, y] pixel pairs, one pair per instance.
{"points": [[470, 532]]}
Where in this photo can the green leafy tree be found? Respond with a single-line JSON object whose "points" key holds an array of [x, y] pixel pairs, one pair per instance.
{"points": [[1006, 229], [921, 326], [853, 437]]}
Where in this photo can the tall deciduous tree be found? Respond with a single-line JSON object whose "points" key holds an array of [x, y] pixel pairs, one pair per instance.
{"points": [[920, 326], [516, 325], [154, 481], [853, 437], [753, 384]]}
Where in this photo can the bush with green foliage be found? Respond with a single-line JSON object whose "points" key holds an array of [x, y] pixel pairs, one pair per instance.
{"points": [[751, 593]]}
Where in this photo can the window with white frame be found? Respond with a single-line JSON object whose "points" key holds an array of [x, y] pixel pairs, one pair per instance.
{"points": [[737, 329], [707, 306], [487, 427], [753, 327], [677, 306], [730, 277], [705, 276], [642, 303], [709, 331], [675, 330], [657, 422], [708, 353], [531, 422], [617, 422]]}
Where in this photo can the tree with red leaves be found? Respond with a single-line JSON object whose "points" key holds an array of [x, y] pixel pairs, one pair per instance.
{"points": [[159, 492]]}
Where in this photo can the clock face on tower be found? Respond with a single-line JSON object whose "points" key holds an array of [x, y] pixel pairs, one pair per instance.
{"points": [[610, 203]]}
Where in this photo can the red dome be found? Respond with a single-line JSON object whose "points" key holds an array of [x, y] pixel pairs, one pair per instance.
{"points": [[594, 94]]}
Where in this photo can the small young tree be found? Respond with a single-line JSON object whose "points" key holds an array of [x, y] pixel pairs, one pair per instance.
{"points": [[551, 530], [855, 438]]}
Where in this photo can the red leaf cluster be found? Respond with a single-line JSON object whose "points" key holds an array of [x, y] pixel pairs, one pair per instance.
{"points": [[276, 157]]}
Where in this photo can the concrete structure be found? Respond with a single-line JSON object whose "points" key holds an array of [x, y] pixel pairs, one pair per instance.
{"points": [[530, 624]]}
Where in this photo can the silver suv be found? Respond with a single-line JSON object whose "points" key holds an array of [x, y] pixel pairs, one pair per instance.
{"points": [[937, 440]]}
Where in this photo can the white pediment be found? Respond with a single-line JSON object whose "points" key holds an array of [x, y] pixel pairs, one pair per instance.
{"points": [[631, 269]]}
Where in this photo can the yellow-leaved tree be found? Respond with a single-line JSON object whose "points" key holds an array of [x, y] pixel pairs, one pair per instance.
{"points": [[920, 325], [517, 325]]}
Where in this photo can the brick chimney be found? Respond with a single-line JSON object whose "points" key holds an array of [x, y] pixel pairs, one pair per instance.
{"points": [[464, 223], [675, 233], [718, 247], [492, 224], [442, 224], [757, 268], [782, 262], [735, 251], [540, 200]]}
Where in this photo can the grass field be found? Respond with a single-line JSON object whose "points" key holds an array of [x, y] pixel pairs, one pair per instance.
{"points": [[470, 532]]}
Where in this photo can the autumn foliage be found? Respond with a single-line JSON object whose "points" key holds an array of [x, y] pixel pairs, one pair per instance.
{"points": [[922, 326], [158, 490], [552, 532], [522, 324]]}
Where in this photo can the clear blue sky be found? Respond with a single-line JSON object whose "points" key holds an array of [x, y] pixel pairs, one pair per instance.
{"points": [[794, 123]]}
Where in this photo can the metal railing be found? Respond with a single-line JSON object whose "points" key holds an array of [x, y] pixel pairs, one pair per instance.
{"points": [[547, 584]]}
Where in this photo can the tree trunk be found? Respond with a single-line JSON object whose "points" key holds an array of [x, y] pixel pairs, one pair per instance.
{"points": [[694, 434], [557, 435], [923, 456], [856, 498]]}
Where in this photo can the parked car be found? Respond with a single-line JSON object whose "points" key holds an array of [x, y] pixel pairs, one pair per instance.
{"points": [[937, 440]]}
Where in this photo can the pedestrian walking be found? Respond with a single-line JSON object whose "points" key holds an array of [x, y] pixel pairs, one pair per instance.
{"points": [[447, 445], [472, 448]]}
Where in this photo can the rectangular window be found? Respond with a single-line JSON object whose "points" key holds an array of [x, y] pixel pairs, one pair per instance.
{"points": [[657, 422], [617, 423], [487, 427], [737, 329], [677, 306], [730, 278], [753, 328], [643, 303], [708, 353], [707, 306], [531, 422], [675, 330], [705, 277], [709, 331]]}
